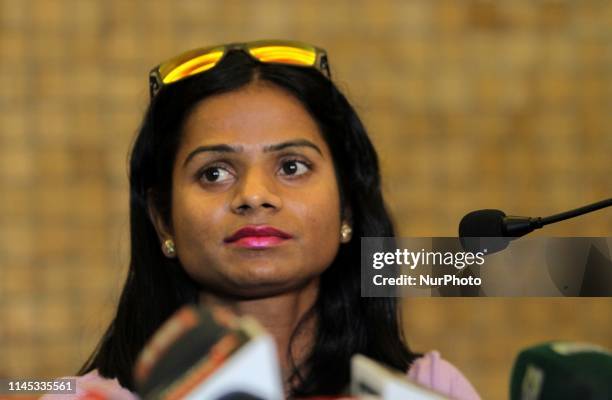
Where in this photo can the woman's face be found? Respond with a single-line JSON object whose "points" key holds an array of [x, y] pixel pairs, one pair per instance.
{"points": [[255, 202]]}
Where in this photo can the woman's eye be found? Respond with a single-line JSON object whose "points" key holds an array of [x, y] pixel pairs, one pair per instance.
{"points": [[215, 174], [294, 168]]}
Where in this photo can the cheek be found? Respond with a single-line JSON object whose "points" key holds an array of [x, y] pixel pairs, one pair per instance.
{"points": [[321, 215], [195, 219], [198, 234], [324, 232]]}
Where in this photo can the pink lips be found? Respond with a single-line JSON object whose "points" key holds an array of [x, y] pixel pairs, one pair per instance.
{"points": [[257, 236]]}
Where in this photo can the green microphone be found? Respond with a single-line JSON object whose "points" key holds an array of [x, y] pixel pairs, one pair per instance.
{"points": [[562, 371]]}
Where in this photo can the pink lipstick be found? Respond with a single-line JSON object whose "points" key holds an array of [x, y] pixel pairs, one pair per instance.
{"points": [[257, 237]]}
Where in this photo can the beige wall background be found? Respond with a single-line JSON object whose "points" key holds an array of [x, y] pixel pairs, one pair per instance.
{"points": [[471, 104]]}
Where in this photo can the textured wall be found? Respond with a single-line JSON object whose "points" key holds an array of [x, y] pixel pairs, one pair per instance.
{"points": [[471, 104]]}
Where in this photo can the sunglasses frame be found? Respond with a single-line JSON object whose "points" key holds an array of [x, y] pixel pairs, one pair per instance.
{"points": [[157, 74]]}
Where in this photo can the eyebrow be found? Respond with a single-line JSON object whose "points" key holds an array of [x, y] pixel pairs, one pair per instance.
{"points": [[226, 148]]}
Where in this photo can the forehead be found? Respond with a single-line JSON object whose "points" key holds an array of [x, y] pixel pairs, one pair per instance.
{"points": [[257, 114]]}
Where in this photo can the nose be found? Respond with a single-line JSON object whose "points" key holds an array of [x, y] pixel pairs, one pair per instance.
{"points": [[256, 192]]}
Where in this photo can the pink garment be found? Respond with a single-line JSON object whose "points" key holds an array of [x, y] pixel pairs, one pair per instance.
{"points": [[434, 372], [430, 370]]}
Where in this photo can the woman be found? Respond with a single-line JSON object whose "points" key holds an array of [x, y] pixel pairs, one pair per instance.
{"points": [[251, 181]]}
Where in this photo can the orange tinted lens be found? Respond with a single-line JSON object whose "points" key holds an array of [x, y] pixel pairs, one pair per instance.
{"points": [[193, 66], [285, 55]]}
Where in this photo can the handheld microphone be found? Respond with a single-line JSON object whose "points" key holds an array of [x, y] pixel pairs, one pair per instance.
{"points": [[562, 371], [502, 228], [209, 354]]}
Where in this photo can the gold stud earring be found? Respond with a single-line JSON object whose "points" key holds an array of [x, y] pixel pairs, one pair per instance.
{"points": [[346, 232], [168, 248]]}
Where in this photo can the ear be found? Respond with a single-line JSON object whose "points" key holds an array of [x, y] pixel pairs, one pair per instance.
{"points": [[163, 231]]}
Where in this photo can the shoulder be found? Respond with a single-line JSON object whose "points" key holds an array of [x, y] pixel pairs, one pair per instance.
{"points": [[433, 371], [90, 384]]}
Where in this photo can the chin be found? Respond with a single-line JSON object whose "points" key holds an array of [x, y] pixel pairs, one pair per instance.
{"points": [[260, 283], [263, 275]]}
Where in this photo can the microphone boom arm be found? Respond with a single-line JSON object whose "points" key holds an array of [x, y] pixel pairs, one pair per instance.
{"points": [[576, 212]]}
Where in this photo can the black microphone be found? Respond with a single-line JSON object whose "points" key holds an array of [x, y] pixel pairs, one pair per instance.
{"points": [[502, 228]]}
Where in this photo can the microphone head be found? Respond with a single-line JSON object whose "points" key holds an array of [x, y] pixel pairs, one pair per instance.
{"points": [[482, 223], [562, 371], [181, 342], [483, 229], [209, 353]]}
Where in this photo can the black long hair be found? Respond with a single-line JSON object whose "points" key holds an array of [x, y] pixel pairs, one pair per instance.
{"points": [[156, 286]]}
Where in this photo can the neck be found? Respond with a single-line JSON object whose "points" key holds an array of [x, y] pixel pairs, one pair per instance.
{"points": [[279, 315]]}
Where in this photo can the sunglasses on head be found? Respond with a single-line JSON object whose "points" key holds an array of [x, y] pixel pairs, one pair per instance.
{"points": [[196, 61]]}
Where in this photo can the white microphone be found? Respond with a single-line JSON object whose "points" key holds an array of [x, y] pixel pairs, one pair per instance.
{"points": [[202, 353]]}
